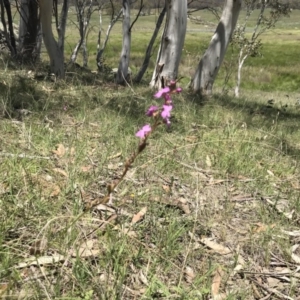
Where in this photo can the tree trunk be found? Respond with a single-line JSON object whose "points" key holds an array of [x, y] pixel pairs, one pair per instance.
{"points": [[171, 45], [145, 64], [61, 29], [212, 59], [122, 74], [10, 25], [9, 35], [29, 31], [54, 51]]}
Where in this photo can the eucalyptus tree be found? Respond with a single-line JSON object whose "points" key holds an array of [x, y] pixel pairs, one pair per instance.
{"points": [[171, 44], [125, 54], [211, 61], [30, 35], [54, 48]]}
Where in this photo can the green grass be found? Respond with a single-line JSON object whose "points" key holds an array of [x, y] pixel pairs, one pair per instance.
{"points": [[210, 176]]}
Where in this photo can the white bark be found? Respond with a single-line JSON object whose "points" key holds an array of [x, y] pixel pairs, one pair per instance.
{"points": [[54, 51], [125, 54], [171, 45], [212, 59]]}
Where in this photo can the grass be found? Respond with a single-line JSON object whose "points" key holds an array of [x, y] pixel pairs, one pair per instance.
{"points": [[224, 179]]}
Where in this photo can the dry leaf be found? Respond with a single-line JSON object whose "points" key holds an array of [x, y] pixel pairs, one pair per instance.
{"points": [[56, 191], [182, 204], [215, 246], [87, 249], [166, 188], [115, 155], [191, 138], [3, 288], [292, 233], [208, 161], [136, 218], [43, 260], [215, 286], [189, 274], [60, 171], [3, 188], [60, 151], [295, 257], [72, 151], [270, 173], [260, 227], [112, 166], [86, 169], [143, 278]]}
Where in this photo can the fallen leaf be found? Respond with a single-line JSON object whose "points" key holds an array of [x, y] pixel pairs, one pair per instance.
{"points": [[60, 150], [136, 218], [3, 288], [215, 286], [56, 191], [72, 151], [215, 246], [208, 161], [295, 257], [112, 166], [166, 188], [115, 155], [143, 278], [260, 227], [292, 233], [61, 171], [87, 249], [189, 274], [86, 169], [191, 138], [43, 260]]}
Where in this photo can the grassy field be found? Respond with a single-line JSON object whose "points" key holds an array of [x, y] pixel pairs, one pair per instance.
{"points": [[210, 209]]}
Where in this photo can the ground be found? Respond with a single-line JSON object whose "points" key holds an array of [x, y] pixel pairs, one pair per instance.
{"points": [[209, 210]]}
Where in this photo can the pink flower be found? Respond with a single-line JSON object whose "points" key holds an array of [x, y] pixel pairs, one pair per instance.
{"points": [[168, 99], [152, 109], [166, 112], [162, 92], [144, 131], [179, 90]]}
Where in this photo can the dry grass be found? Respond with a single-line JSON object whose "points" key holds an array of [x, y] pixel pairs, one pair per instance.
{"points": [[203, 190]]}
